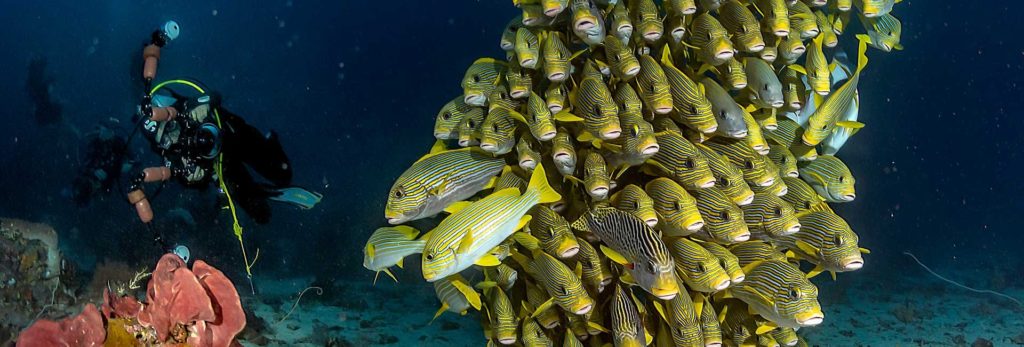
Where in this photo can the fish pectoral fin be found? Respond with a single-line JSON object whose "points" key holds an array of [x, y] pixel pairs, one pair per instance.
{"points": [[850, 124], [865, 250], [526, 240], [487, 260], [565, 117], [698, 304], [438, 147], [799, 69], [444, 307], [661, 310], [806, 247], [390, 274], [543, 307], [814, 272], [627, 279], [523, 222], [471, 295], [491, 182], [614, 256], [766, 327], [401, 263], [648, 338], [485, 285], [467, 242], [597, 327]]}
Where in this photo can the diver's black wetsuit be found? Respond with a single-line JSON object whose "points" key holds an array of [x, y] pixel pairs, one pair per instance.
{"points": [[105, 155]]}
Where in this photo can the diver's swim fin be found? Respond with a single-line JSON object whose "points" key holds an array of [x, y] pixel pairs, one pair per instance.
{"points": [[299, 197]]}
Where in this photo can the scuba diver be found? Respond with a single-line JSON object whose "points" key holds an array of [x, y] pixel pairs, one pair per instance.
{"points": [[106, 158], [202, 143]]}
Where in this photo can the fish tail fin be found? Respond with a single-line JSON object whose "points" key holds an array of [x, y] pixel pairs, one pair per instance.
{"points": [[539, 184], [862, 50]]}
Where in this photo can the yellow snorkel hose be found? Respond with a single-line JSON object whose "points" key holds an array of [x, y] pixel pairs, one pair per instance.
{"points": [[218, 168]]}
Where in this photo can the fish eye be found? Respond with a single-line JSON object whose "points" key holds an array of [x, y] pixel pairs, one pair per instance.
{"points": [[748, 164], [794, 294], [823, 127], [597, 109], [725, 216], [842, 178], [446, 116], [502, 95], [784, 160], [565, 291], [766, 87], [688, 163], [399, 193], [700, 268], [807, 205], [838, 240], [636, 205], [778, 211], [476, 78], [495, 127], [724, 181], [472, 124], [721, 114], [651, 268], [430, 256], [678, 205]]}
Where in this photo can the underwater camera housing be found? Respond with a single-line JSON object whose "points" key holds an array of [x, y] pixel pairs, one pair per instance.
{"points": [[203, 141]]}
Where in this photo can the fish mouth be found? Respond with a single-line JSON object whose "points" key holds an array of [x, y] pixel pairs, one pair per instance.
{"points": [[738, 134], [584, 310], [611, 134], [599, 191], [746, 200], [584, 25], [757, 47], [795, 105], [724, 55], [815, 319], [739, 278], [490, 147], [555, 108], [778, 103], [507, 340], [707, 184], [561, 156], [652, 36], [528, 164], [557, 76], [742, 237], [771, 126], [528, 63], [554, 11], [650, 150], [854, 263], [558, 206], [508, 46], [548, 135], [632, 71], [713, 344], [799, 50], [663, 110], [475, 99], [781, 32], [793, 229], [793, 174], [783, 191], [723, 284], [871, 14], [442, 136], [710, 129], [758, 148], [665, 296], [739, 85], [551, 325], [394, 221], [464, 143], [529, 21], [767, 182], [518, 94], [812, 33], [651, 222], [568, 253], [695, 226], [848, 197]]}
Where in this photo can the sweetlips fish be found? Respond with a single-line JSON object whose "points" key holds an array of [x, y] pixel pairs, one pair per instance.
{"points": [[446, 125], [456, 295], [676, 209], [697, 267], [627, 329], [728, 176], [778, 291], [464, 237], [828, 242], [830, 177], [437, 180], [389, 246], [634, 200], [480, 79]]}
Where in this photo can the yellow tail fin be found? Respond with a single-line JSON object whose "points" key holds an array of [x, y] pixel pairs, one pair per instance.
{"points": [[862, 57], [539, 184]]}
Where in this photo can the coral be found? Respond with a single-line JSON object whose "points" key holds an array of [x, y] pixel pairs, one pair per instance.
{"points": [[86, 329], [43, 233], [198, 307], [110, 274]]}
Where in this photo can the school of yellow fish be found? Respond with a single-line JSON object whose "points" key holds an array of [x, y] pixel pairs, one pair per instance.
{"points": [[641, 173]]}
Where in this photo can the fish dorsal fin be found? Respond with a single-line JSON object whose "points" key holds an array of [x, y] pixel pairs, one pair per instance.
{"points": [[578, 271], [815, 272], [698, 304], [585, 136], [407, 231], [581, 223], [799, 68], [457, 206], [428, 155], [507, 192], [807, 248], [516, 115], [523, 222]]}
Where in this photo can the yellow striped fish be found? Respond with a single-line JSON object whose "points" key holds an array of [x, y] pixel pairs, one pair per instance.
{"points": [[456, 295], [785, 336], [578, 326], [446, 126], [778, 291], [784, 160], [697, 267], [388, 247], [692, 107], [500, 98], [884, 32], [562, 284], [594, 103], [627, 329], [533, 16], [770, 53], [802, 20], [676, 26], [712, 40], [596, 272], [738, 325], [821, 123], [678, 159], [520, 82], [733, 74], [502, 315], [775, 16], [533, 335], [728, 177], [841, 5], [596, 179], [819, 73], [683, 321], [469, 129], [768, 216], [789, 134], [556, 57], [680, 7], [554, 7], [634, 200], [464, 237], [553, 232], [828, 242], [728, 114], [636, 246], [830, 38], [480, 79], [727, 260], [648, 23], [535, 297], [653, 87], [755, 137], [619, 23], [709, 325], [757, 169], [508, 36], [741, 24], [754, 251], [586, 22], [503, 275], [556, 95], [802, 197], [627, 100], [875, 8], [571, 340], [563, 152], [791, 48], [438, 180], [509, 179], [498, 131], [621, 59], [723, 220], [793, 88], [538, 118], [830, 177], [527, 48], [528, 157], [777, 188]]}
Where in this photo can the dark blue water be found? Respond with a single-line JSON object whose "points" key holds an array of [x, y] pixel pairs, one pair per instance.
{"points": [[353, 89]]}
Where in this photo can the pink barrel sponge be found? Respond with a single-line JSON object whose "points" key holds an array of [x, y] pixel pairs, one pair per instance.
{"points": [[85, 329]]}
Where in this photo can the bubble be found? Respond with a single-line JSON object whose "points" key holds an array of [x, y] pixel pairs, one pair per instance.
{"points": [[280, 23], [341, 76], [341, 65], [215, 12], [288, 3]]}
